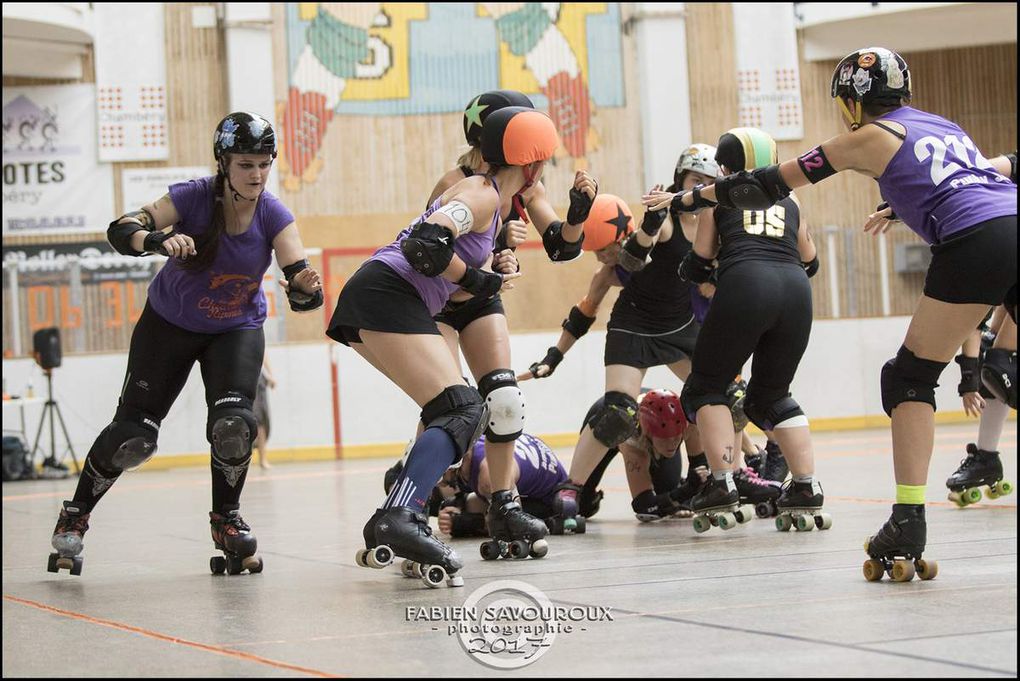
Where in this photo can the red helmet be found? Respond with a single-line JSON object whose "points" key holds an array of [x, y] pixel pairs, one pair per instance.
{"points": [[661, 414]]}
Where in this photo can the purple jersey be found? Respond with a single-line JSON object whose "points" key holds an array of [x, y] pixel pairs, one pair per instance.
{"points": [[938, 182], [474, 248], [540, 470], [228, 295], [699, 304]]}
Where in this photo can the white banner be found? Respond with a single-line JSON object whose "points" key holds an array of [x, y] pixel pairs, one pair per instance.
{"points": [[52, 181], [131, 81], [768, 73], [140, 186]]}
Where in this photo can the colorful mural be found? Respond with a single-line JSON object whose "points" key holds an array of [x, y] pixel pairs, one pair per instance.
{"points": [[400, 59]]}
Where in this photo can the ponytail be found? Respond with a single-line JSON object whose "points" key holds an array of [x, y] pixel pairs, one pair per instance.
{"points": [[208, 243]]}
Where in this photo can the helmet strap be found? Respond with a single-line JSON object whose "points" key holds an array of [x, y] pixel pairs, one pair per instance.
{"points": [[854, 118], [237, 196], [518, 199]]}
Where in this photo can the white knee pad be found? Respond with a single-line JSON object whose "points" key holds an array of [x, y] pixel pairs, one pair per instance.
{"points": [[506, 404]]}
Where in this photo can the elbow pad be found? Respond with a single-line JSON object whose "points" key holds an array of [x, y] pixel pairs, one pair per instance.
{"points": [[633, 255], [695, 269], [759, 189], [811, 267], [428, 248], [577, 323], [556, 247], [120, 230]]}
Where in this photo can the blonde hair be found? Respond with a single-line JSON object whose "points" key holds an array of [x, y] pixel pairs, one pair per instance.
{"points": [[471, 158]]}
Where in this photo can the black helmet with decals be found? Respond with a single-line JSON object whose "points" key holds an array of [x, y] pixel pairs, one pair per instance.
{"points": [[244, 133], [873, 75]]}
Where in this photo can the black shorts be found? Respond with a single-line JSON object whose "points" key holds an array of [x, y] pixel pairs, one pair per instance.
{"points": [[460, 315], [644, 350], [978, 267], [376, 298]]}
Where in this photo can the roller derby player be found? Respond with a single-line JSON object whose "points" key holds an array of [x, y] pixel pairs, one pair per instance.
{"points": [[479, 324], [991, 402], [761, 306], [652, 323], [385, 312], [933, 178], [206, 305]]}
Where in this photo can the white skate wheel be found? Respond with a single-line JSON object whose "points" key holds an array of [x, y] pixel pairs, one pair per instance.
{"points": [[824, 521], [433, 576], [805, 523]]}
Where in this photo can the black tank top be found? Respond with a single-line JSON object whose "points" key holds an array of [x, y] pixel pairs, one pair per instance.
{"points": [[654, 300], [769, 235]]}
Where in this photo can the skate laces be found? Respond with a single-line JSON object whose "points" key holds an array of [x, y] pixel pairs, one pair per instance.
{"points": [[233, 520], [72, 523], [750, 476]]}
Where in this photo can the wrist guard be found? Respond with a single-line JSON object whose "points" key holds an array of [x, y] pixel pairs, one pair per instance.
{"points": [[694, 268], [580, 206], [697, 201], [577, 323], [299, 300], [480, 283], [154, 242], [552, 359], [970, 374], [811, 267], [652, 222]]}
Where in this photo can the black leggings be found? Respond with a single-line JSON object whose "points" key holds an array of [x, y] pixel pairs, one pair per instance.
{"points": [[159, 362], [761, 308]]}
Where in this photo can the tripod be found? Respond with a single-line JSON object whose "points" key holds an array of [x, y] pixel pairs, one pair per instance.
{"points": [[50, 409]]}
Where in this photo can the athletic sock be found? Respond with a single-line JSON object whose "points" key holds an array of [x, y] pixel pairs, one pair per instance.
{"points": [[910, 494], [432, 454]]}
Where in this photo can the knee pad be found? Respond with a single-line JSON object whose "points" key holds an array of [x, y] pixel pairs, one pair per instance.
{"points": [[736, 393], [998, 375], [617, 419], [908, 378], [231, 429], [460, 412], [770, 412], [697, 394], [505, 403], [128, 442]]}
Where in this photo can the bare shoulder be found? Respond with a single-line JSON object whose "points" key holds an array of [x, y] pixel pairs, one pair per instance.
{"points": [[475, 192]]}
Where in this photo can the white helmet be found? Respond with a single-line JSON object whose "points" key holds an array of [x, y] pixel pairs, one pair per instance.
{"points": [[698, 157]]}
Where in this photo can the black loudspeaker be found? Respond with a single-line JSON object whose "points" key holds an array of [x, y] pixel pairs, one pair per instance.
{"points": [[46, 347]]}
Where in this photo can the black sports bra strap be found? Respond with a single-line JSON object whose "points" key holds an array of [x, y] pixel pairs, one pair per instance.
{"points": [[889, 130], [467, 171]]}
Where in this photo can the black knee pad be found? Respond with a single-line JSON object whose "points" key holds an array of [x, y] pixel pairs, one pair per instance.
{"points": [[460, 412], [908, 378], [231, 429], [126, 443], [617, 420], [769, 411], [998, 375], [697, 394], [505, 403]]}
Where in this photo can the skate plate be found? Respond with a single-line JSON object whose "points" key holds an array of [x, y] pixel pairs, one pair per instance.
{"points": [[804, 519], [723, 517]]}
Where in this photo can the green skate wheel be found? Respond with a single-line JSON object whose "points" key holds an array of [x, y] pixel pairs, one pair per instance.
{"points": [[824, 521], [991, 492], [903, 571], [727, 521], [784, 522], [701, 524], [873, 570], [805, 523], [926, 569], [972, 495], [569, 525], [1004, 487], [957, 498]]}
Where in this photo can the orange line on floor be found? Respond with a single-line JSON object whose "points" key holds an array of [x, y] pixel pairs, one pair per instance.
{"points": [[946, 504], [227, 652]]}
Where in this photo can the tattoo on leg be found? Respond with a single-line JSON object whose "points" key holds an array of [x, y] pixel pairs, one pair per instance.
{"points": [[728, 456]]}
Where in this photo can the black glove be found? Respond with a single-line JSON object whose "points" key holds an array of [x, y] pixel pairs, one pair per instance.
{"points": [[480, 283], [970, 375], [694, 268], [299, 300], [580, 206], [811, 267], [553, 357], [652, 221], [697, 204]]}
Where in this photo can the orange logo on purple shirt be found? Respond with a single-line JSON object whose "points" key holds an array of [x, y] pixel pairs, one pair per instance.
{"points": [[230, 293]]}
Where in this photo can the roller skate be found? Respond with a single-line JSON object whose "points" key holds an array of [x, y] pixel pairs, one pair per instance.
{"points": [[405, 533], [696, 478], [754, 461], [566, 517], [774, 467], [233, 537], [718, 503], [762, 494], [979, 468], [67, 538], [896, 549], [515, 534], [801, 507], [590, 503], [650, 507]]}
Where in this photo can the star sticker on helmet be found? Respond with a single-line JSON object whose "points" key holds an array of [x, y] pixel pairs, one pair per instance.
{"points": [[621, 222], [473, 113]]}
